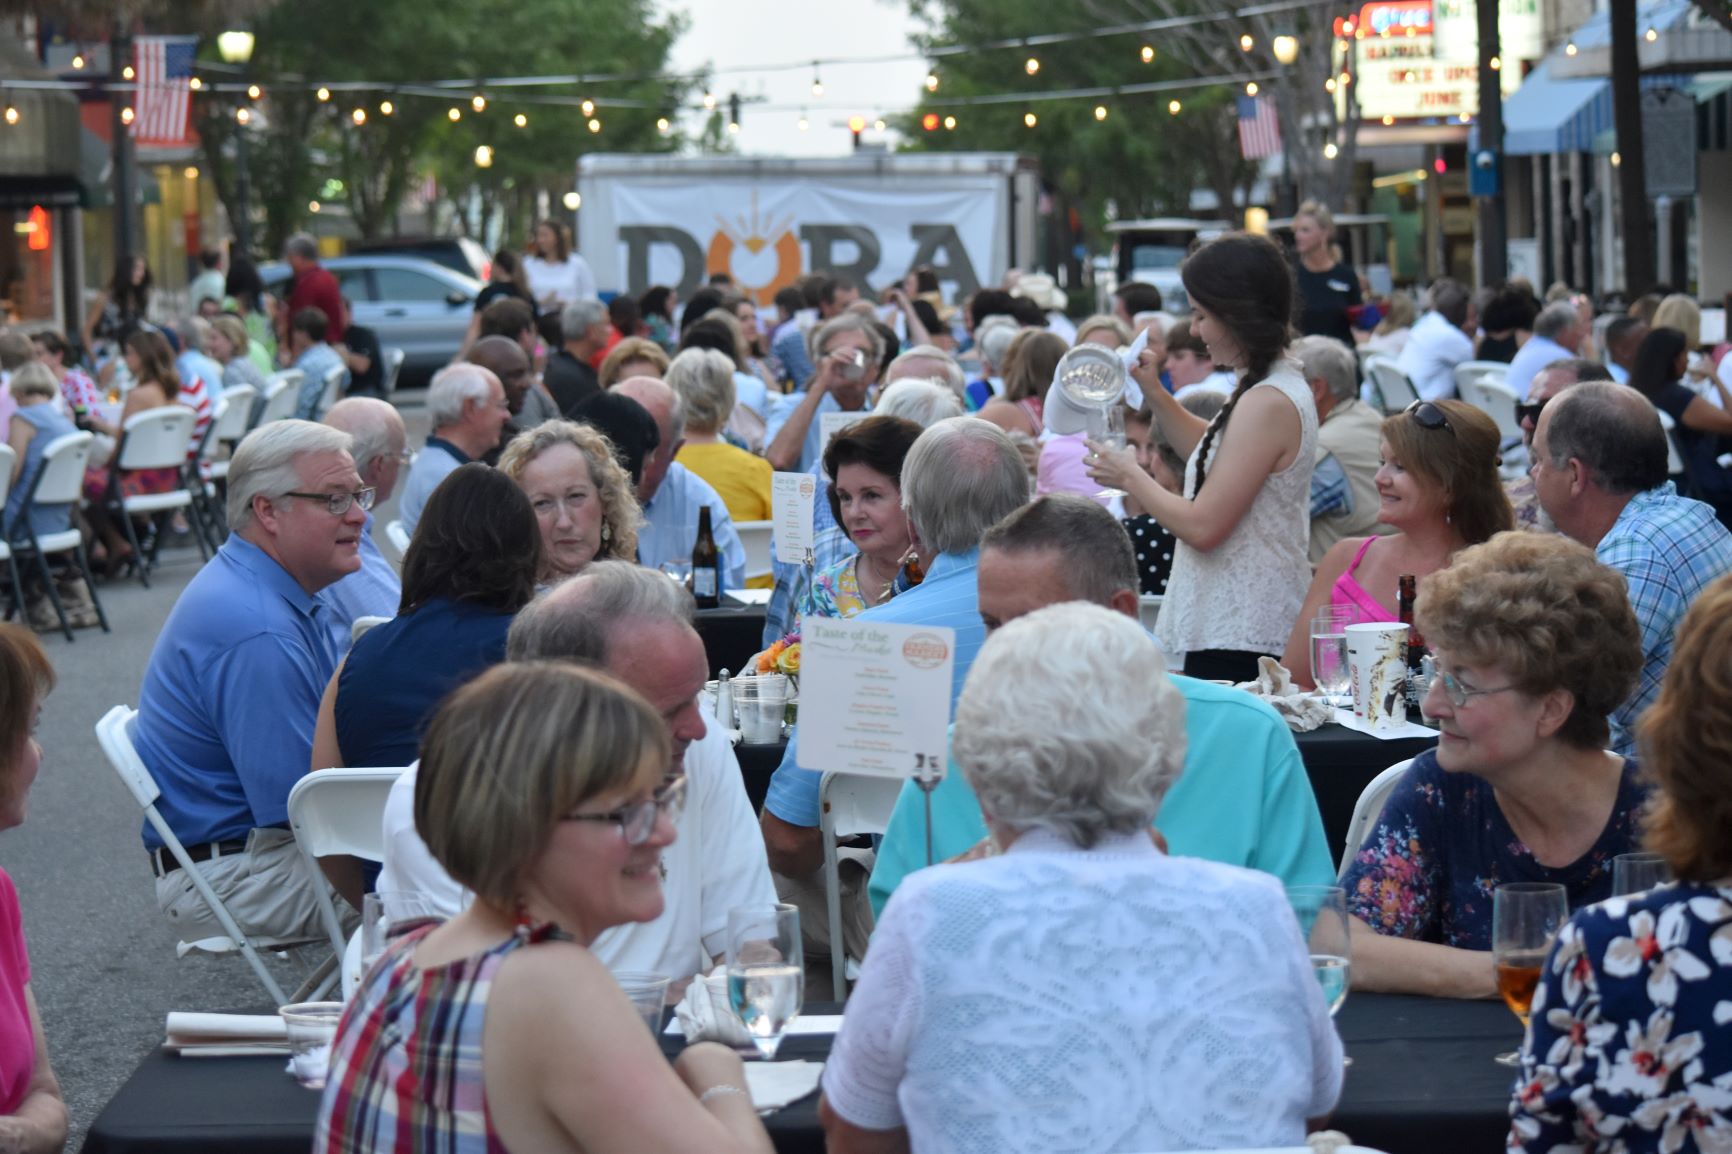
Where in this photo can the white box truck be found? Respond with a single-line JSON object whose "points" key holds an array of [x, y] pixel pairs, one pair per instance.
{"points": [[866, 219]]}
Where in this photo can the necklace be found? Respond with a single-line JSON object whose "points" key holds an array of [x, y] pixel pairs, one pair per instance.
{"points": [[866, 577]]}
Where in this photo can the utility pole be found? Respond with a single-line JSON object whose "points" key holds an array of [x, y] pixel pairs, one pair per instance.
{"points": [[1493, 223], [1632, 161], [125, 194]]}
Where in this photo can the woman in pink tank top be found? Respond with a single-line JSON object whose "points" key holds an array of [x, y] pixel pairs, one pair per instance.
{"points": [[1438, 487]]}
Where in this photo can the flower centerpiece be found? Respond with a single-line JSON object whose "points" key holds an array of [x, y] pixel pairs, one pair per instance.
{"points": [[784, 657]]}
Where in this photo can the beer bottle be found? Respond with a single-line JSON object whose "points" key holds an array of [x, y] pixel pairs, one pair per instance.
{"points": [[706, 564], [1406, 592]]}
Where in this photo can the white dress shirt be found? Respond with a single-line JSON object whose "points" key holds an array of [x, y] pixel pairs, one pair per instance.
{"points": [[1434, 347], [670, 525], [1529, 360]]}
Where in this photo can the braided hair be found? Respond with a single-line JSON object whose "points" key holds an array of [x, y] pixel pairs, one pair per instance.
{"points": [[1246, 284]]}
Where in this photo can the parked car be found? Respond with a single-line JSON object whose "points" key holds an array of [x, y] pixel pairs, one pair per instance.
{"points": [[457, 253], [411, 304]]}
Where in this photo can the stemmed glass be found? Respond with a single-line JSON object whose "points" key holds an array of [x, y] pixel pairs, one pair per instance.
{"points": [[1322, 914], [1525, 917], [1330, 672], [766, 971], [1634, 873], [1107, 428]]}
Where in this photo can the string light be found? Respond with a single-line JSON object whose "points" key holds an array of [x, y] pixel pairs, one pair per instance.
{"points": [[1347, 78], [359, 116], [386, 108], [11, 113], [588, 107], [662, 125], [1148, 54], [1251, 88], [483, 156], [1650, 35], [1570, 48], [932, 82], [1465, 118], [817, 83], [1616, 160], [126, 116], [127, 73], [1029, 119], [1330, 151], [733, 128], [253, 92], [950, 123], [323, 94], [78, 61], [1031, 66], [1388, 121], [804, 123], [1329, 85], [1496, 63], [454, 114], [1100, 112], [878, 125], [709, 101], [594, 124], [191, 173], [242, 115], [572, 201], [312, 206], [195, 84], [520, 120], [478, 102], [1173, 107], [1245, 42]]}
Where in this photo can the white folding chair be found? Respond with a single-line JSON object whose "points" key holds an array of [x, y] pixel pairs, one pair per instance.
{"points": [[113, 733], [1498, 401], [393, 369], [399, 538], [8, 457], [334, 812], [1479, 371], [755, 538], [1149, 610], [1394, 390], [200, 477], [59, 481], [229, 425], [360, 625], [1674, 459], [1368, 809], [334, 378], [848, 804], [154, 439], [282, 395]]}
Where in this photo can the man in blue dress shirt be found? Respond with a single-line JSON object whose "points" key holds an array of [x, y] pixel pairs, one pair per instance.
{"points": [[961, 477], [231, 694], [671, 494], [380, 444], [468, 408], [848, 352]]}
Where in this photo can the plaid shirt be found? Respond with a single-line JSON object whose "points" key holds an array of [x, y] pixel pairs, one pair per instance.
{"points": [[1669, 548]]}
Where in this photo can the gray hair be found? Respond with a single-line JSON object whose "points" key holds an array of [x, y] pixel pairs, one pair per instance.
{"points": [[818, 340], [1073, 526], [1332, 361], [963, 476], [1202, 403], [1556, 319], [993, 341], [1449, 299], [454, 385], [371, 425], [1580, 369], [302, 245], [703, 379], [1069, 723], [948, 369], [579, 315], [33, 379], [265, 463], [922, 401], [194, 333], [577, 619], [1613, 431]]}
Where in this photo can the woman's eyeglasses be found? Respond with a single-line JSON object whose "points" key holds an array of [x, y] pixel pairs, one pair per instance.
{"points": [[1459, 695], [637, 821], [1428, 416]]}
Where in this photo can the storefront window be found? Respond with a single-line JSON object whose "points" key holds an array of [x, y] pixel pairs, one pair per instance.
{"points": [[27, 264]]}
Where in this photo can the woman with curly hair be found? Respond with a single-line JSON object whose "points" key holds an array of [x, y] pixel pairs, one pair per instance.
{"points": [[583, 499], [1535, 644]]}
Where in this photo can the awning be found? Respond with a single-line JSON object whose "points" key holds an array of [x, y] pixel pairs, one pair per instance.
{"points": [[23, 192], [1547, 115]]}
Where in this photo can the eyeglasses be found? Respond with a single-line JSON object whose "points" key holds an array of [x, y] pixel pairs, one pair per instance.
{"points": [[637, 821], [1529, 411], [336, 504], [1428, 416], [1459, 695]]}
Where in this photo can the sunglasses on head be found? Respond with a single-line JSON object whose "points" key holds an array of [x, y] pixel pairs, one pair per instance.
{"points": [[1428, 416]]}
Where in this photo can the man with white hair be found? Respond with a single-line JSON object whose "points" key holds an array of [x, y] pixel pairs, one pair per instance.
{"points": [[570, 373], [671, 494], [928, 363], [1558, 334], [992, 341], [231, 693], [467, 406], [379, 446], [636, 625], [1243, 797], [959, 479], [1344, 501]]}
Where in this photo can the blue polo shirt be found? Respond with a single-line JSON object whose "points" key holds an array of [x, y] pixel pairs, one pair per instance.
{"points": [[230, 697], [949, 597]]}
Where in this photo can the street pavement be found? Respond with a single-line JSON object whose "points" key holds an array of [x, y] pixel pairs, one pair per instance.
{"points": [[103, 962]]}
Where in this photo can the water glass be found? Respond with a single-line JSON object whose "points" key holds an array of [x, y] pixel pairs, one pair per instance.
{"points": [[1106, 427], [1322, 914], [1525, 917], [762, 703], [648, 993], [766, 971], [1634, 873], [1330, 672], [312, 1028], [680, 571], [387, 914]]}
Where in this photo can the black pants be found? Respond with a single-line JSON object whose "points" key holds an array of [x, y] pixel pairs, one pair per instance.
{"points": [[1222, 664]]}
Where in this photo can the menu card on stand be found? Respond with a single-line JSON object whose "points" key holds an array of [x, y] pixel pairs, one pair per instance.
{"points": [[791, 496], [875, 697], [829, 424]]}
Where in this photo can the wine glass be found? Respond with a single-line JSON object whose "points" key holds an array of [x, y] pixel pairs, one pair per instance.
{"points": [[1107, 428], [1634, 873], [1322, 914], [1525, 917], [766, 971], [1330, 672]]}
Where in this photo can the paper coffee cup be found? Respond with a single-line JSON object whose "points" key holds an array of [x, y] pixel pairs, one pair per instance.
{"points": [[1377, 658]]}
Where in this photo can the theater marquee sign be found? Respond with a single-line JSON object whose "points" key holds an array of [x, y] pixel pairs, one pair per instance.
{"points": [[1420, 58]]}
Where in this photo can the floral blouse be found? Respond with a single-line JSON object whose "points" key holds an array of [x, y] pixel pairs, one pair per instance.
{"points": [[1441, 847], [1628, 1049], [835, 592]]}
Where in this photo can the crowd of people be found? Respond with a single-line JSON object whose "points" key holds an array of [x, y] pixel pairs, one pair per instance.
{"points": [[572, 807]]}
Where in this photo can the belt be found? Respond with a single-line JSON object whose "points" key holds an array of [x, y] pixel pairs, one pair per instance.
{"points": [[165, 863]]}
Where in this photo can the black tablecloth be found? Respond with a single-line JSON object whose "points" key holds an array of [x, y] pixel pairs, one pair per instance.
{"points": [[1340, 763], [731, 635], [758, 763], [1422, 1082]]}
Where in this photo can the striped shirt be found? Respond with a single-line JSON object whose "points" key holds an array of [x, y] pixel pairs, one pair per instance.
{"points": [[1669, 548], [197, 396]]}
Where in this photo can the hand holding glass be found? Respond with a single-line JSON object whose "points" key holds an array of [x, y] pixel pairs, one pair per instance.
{"points": [[766, 971], [1107, 431]]}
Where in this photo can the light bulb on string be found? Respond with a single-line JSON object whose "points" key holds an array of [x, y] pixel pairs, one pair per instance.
{"points": [[817, 82], [1388, 121], [254, 92], [195, 84], [1330, 151], [1148, 54], [594, 124], [1329, 85], [312, 206], [242, 115], [950, 123], [323, 94], [1496, 63], [1650, 35], [478, 102], [663, 125], [709, 102], [11, 113], [520, 120], [359, 116], [1570, 48], [1031, 66], [932, 82], [454, 114], [1100, 112], [1251, 88], [1029, 119], [126, 115], [1246, 42], [733, 128], [588, 107], [804, 123], [78, 61], [878, 125], [483, 156], [1173, 107], [386, 108], [572, 201], [127, 73]]}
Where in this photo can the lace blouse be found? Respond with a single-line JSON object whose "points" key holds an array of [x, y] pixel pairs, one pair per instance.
{"points": [[1057, 999]]}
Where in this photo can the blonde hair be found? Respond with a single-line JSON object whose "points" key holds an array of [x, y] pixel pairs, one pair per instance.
{"points": [[704, 379], [630, 349], [34, 379], [507, 756], [620, 514], [1540, 608], [1461, 461], [1682, 313], [234, 332], [1319, 213], [1104, 321]]}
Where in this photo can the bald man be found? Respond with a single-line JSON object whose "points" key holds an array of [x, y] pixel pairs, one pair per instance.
{"points": [[380, 449], [671, 494], [530, 404]]}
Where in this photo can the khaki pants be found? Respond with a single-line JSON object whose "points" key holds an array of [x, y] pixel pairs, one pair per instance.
{"points": [[265, 888], [854, 868]]}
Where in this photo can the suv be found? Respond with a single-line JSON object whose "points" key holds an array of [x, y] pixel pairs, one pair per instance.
{"points": [[457, 253], [411, 304]]}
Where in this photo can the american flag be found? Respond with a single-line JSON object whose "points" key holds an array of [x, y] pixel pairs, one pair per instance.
{"points": [[1259, 134], [163, 99]]}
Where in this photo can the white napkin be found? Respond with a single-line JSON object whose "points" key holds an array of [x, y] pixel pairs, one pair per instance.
{"points": [[1129, 355], [1404, 730], [226, 1035], [704, 1014], [1302, 711], [777, 1084]]}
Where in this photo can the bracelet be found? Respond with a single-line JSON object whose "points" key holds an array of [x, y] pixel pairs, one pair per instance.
{"points": [[717, 1090]]}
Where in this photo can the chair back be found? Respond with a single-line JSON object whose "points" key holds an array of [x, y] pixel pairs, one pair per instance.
{"points": [[1394, 390], [60, 478], [1674, 459], [393, 367], [1149, 609], [7, 460], [157, 438], [361, 625], [334, 378], [848, 804], [342, 811], [1498, 401], [1368, 809], [1479, 371], [114, 735], [398, 536], [282, 394], [755, 538], [230, 423], [208, 446]]}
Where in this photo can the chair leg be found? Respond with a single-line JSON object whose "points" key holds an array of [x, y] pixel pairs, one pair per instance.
{"points": [[18, 607], [90, 584], [139, 558], [196, 521], [54, 595]]}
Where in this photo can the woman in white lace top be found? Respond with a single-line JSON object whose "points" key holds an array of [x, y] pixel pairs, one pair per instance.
{"points": [[1243, 518], [1082, 991]]}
